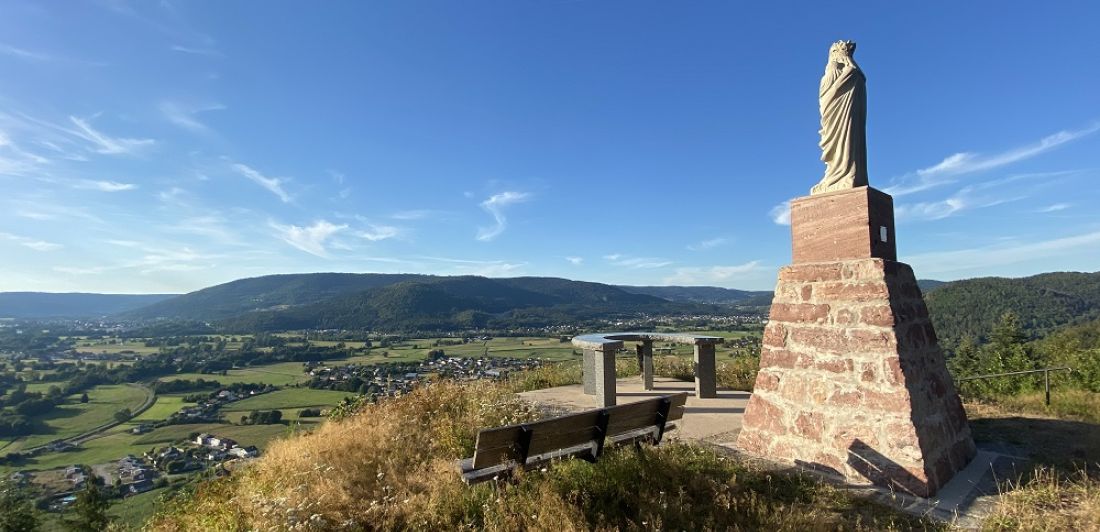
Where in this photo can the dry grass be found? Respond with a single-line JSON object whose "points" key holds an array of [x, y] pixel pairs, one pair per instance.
{"points": [[1049, 500], [1062, 491], [390, 466]]}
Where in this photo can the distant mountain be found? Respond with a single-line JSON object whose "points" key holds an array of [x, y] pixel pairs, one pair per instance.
{"points": [[401, 302], [270, 292], [71, 305], [704, 294], [1045, 302], [928, 285]]}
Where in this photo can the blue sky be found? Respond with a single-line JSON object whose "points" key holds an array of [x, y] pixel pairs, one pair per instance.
{"points": [[164, 147]]}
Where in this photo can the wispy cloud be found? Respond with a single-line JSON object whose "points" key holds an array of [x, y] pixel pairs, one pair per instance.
{"points": [[707, 244], [272, 184], [185, 116], [194, 50], [978, 196], [781, 214], [310, 239], [987, 258], [22, 53], [968, 162], [575, 261], [37, 245], [103, 186], [495, 206], [106, 144], [1055, 207], [695, 275], [375, 233], [618, 259]]}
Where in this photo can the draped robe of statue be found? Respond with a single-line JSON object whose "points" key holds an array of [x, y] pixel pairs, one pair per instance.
{"points": [[843, 103]]}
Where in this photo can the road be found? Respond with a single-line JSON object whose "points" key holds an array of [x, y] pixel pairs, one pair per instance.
{"points": [[150, 398]]}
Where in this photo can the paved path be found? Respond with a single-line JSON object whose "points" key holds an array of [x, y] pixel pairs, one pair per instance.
{"points": [[716, 420]]}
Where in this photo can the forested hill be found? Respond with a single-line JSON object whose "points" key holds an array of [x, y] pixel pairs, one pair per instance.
{"points": [[704, 294], [71, 305], [1045, 302], [402, 302], [270, 292]]}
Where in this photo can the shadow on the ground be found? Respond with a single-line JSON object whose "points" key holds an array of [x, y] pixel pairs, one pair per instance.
{"points": [[1051, 442]]}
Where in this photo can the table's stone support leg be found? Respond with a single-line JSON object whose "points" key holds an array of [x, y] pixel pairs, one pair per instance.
{"points": [[605, 377], [588, 370], [646, 349], [705, 372], [641, 356]]}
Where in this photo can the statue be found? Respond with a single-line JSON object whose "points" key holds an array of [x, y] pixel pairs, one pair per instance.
{"points": [[843, 103]]}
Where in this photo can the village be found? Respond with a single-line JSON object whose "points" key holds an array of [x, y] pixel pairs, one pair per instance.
{"points": [[397, 378]]}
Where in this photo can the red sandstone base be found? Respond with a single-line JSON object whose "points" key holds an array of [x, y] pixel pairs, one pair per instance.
{"points": [[852, 381]]}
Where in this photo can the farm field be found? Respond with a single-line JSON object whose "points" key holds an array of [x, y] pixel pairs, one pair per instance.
{"points": [[258, 435], [284, 399], [165, 405], [75, 418], [278, 374], [113, 346], [134, 510]]}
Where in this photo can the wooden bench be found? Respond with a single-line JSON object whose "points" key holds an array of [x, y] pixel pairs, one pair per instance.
{"points": [[501, 450]]}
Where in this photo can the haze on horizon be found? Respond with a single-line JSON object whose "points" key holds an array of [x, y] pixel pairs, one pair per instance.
{"points": [[165, 147]]}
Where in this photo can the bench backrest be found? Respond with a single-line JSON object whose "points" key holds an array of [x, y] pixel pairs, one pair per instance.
{"points": [[514, 443]]}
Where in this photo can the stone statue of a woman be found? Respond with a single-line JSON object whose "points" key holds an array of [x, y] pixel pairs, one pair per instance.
{"points": [[843, 103]]}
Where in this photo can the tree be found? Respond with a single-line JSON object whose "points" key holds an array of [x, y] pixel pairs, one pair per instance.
{"points": [[123, 415], [84, 397], [89, 512], [16, 511]]}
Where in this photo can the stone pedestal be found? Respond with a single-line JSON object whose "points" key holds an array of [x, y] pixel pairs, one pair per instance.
{"points": [[706, 382], [852, 381]]}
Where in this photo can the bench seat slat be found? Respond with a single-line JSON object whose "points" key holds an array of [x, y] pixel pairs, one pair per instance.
{"points": [[497, 450], [473, 475]]}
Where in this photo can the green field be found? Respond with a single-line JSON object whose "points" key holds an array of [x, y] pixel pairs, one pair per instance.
{"points": [[258, 435], [278, 374], [113, 346], [289, 398], [74, 418], [135, 509], [165, 405]]}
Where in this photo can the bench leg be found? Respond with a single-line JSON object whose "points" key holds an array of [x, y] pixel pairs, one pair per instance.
{"points": [[605, 377], [588, 371], [705, 377]]}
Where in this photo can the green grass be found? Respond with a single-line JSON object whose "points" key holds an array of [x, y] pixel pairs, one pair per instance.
{"points": [[289, 398], [258, 435], [102, 346], [1065, 403], [165, 405], [74, 418], [278, 374], [135, 509], [116, 444]]}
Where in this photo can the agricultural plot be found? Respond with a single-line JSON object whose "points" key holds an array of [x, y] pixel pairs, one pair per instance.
{"points": [[75, 418], [278, 374], [165, 405], [286, 399], [245, 435], [113, 347]]}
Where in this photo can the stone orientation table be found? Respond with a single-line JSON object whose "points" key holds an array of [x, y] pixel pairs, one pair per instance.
{"points": [[599, 360]]}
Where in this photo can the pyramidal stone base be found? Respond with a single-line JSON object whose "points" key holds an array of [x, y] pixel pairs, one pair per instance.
{"points": [[852, 381]]}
